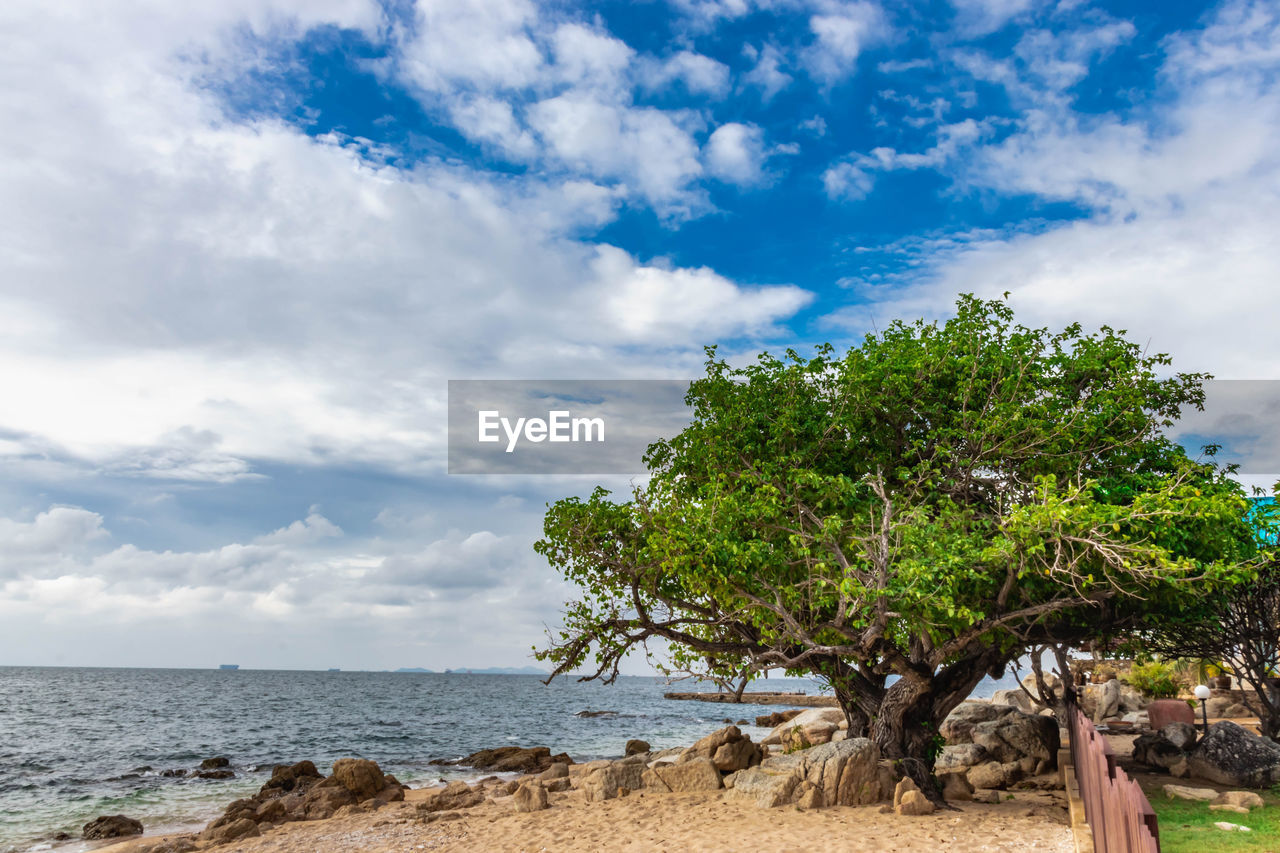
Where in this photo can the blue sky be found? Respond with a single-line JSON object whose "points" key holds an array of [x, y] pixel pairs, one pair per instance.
{"points": [[244, 247]]}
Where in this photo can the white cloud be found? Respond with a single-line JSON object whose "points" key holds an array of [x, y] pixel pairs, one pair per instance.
{"points": [[767, 74], [493, 121], [700, 75], [641, 146], [735, 154], [485, 44], [651, 303], [981, 17], [1180, 247], [841, 32]]}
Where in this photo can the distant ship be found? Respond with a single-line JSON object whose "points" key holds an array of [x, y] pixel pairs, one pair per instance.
{"points": [[228, 666]]}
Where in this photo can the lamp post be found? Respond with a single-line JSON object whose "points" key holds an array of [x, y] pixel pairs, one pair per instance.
{"points": [[1202, 693]]}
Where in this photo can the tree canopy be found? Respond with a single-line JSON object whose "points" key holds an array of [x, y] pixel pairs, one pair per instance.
{"points": [[924, 506]]}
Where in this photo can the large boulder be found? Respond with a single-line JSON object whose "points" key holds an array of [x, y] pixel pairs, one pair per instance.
{"points": [[530, 797], [777, 718], [808, 728], [1013, 699], [287, 777], [361, 777], [728, 749], [1230, 755], [847, 772], [456, 795], [960, 757], [604, 783], [635, 746], [700, 774], [1131, 699], [511, 759], [1015, 736], [1181, 735], [958, 726], [1156, 750], [110, 826], [1051, 681], [1106, 699], [233, 831]]}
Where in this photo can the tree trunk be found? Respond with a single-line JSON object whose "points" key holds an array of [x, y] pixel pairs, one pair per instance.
{"points": [[742, 685]]}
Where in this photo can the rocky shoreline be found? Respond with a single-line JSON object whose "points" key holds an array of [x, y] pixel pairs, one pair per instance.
{"points": [[806, 761]]}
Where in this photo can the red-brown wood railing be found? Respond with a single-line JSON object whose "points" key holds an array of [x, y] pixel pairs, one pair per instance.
{"points": [[1118, 812]]}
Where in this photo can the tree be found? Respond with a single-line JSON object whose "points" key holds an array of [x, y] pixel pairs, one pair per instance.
{"points": [[902, 520], [1240, 628]]}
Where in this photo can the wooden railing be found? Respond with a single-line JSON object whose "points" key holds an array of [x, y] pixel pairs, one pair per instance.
{"points": [[1118, 812]]}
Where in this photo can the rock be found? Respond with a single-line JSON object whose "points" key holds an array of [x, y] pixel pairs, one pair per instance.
{"points": [[1154, 750], [1241, 799], [813, 719], [1182, 792], [555, 771], [1051, 681], [287, 777], [958, 726], [589, 714], [737, 755], [323, 799], [1217, 705], [993, 775], [635, 746], [1215, 807], [1180, 768], [1236, 710], [1015, 736], [955, 787], [530, 797], [1107, 698], [1013, 699], [914, 803], [848, 772], [215, 763], [810, 796], [1182, 735], [768, 787], [905, 784], [728, 749], [699, 774], [456, 795], [960, 756], [237, 829], [797, 737], [516, 759], [604, 783], [361, 777], [272, 811], [1230, 755], [1131, 700], [1231, 827], [986, 796], [777, 718], [1162, 712], [110, 826], [214, 774]]}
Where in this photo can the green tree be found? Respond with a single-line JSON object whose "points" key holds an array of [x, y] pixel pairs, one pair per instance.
{"points": [[926, 506]]}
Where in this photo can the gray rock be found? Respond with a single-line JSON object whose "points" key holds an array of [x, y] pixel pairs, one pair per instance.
{"points": [[697, 775], [958, 726], [960, 756], [605, 782], [1015, 736], [1013, 699], [1230, 755], [635, 746], [1181, 735], [530, 797], [110, 826], [847, 772], [1154, 750], [1108, 700]]}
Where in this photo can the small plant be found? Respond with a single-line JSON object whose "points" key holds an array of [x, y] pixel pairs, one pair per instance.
{"points": [[1157, 679]]}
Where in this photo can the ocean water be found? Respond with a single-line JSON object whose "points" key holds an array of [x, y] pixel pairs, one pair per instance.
{"points": [[78, 743]]}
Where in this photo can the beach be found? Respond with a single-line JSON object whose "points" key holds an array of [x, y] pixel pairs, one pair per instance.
{"points": [[712, 821]]}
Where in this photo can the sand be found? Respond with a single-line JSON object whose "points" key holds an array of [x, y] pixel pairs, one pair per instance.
{"points": [[670, 822]]}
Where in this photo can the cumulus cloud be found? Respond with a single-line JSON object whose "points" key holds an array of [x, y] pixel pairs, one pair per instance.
{"points": [[735, 153], [841, 31]]}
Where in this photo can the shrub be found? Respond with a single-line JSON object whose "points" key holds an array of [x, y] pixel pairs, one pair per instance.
{"points": [[1157, 679]]}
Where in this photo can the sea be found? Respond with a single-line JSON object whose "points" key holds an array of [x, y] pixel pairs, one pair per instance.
{"points": [[77, 743]]}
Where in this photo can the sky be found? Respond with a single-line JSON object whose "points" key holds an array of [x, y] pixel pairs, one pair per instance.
{"points": [[245, 245]]}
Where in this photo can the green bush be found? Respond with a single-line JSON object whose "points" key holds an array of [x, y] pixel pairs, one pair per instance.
{"points": [[1157, 679]]}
